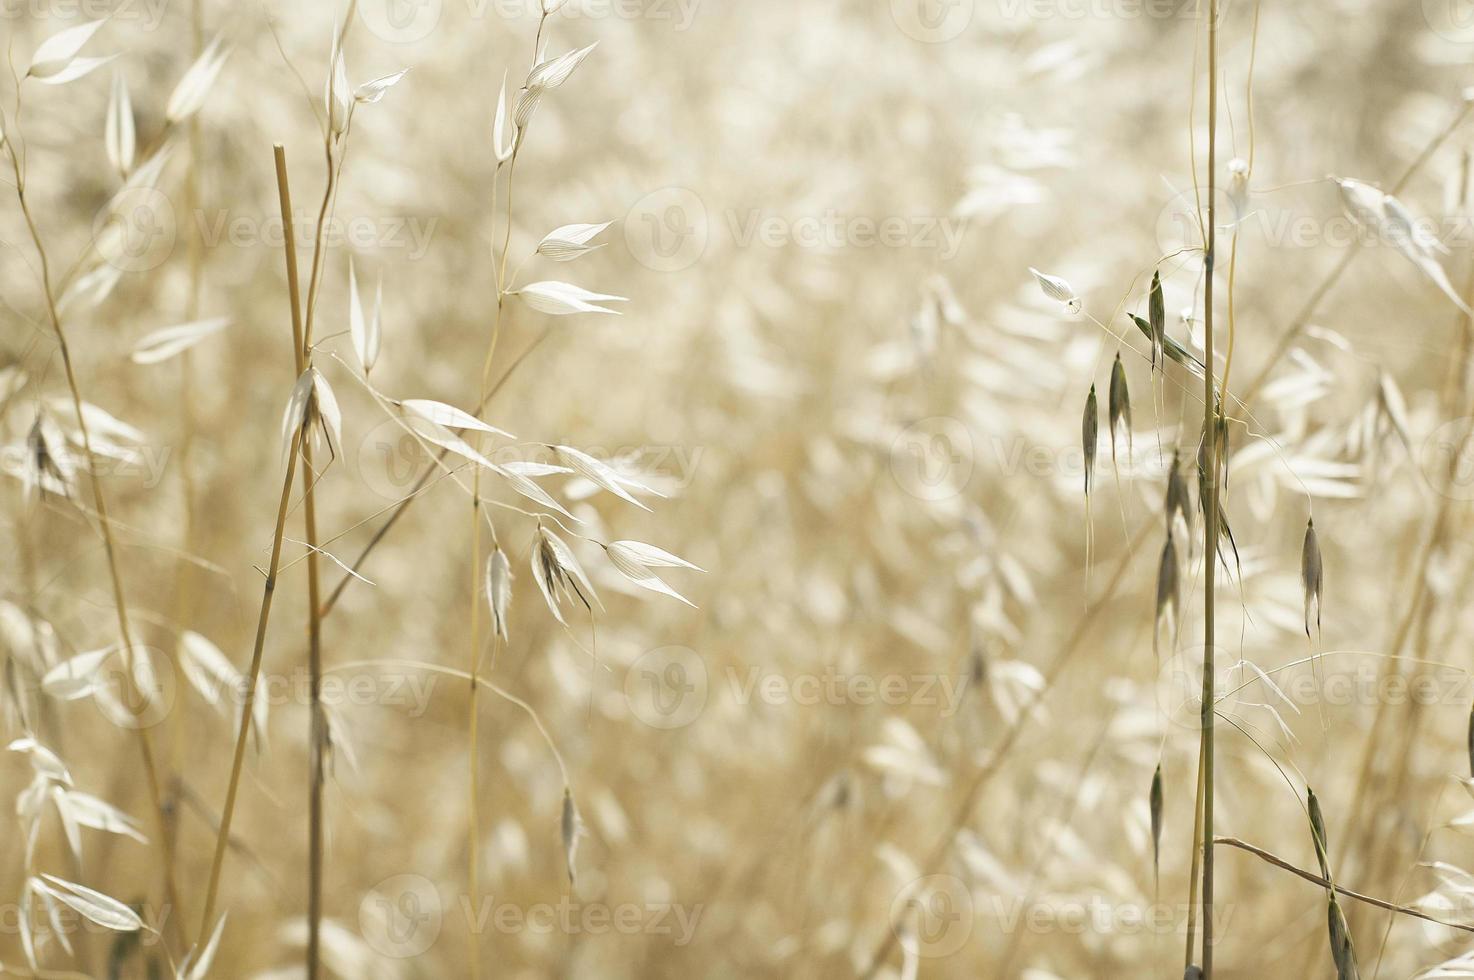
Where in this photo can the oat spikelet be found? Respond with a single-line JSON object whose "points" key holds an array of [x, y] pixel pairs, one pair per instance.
{"points": [[1155, 804], [571, 829], [1168, 589], [1157, 319], [1311, 575], [1471, 741], [1089, 435], [1119, 402], [1177, 495]]}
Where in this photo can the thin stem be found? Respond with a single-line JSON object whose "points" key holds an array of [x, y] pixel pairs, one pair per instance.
{"points": [[269, 590], [99, 498], [1210, 513], [1280, 862]]}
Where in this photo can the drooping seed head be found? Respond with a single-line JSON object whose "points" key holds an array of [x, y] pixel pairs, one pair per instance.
{"points": [[1157, 319], [1089, 435], [1119, 406], [1155, 805], [1311, 574]]}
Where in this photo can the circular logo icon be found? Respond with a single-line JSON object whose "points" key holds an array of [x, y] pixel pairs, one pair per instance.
{"points": [[393, 455], [401, 917], [400, 21], [1452, 20], [932, 459], [135, 695], [932, 916], [667, 687], [1180, 224], [932, 21], [666, 230], [1180, 685], [135, 231], [1447, 459]]}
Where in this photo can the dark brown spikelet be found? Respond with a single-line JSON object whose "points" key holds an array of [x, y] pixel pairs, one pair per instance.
{"points": [[1157, 318], [1311, 574], [1089, 435], [1471, 742], [1155, 803], [1119, 406]]}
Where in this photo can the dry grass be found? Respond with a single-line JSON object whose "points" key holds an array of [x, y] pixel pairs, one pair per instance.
{"points": [[780, 639]]}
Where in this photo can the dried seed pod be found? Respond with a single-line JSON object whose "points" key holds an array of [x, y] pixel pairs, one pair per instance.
{"points": [[1154, 802], [1311, 574], [1471, 741], [1193, 972], [499, 591], [1168, 588], [1318, 833], [1119, 402], [1342, 952], [570, 829], [977, 667], [1089, 435], [1177, 496], [1157, 319]]}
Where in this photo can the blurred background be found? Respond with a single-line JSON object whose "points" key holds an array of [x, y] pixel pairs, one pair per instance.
{"points": [[910, 726]]}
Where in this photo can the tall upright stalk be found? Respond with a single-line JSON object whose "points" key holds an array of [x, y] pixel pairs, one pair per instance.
{"points": [[269, 589], [1210, 506], [99, 500]]}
